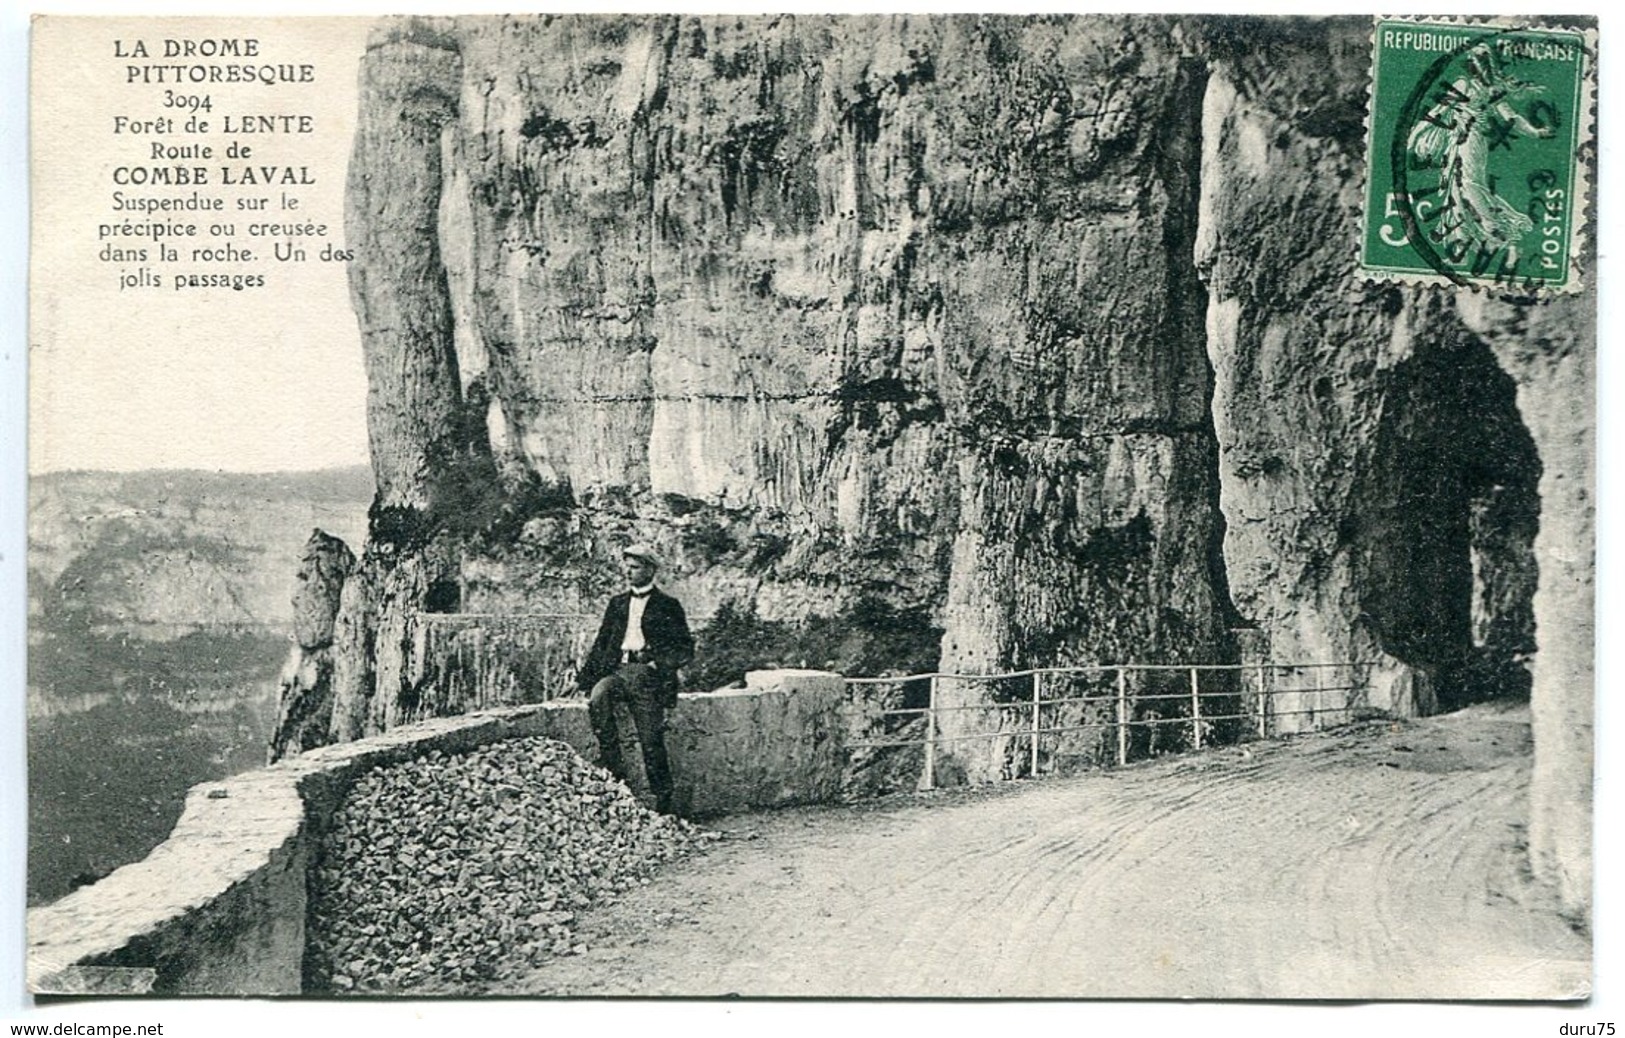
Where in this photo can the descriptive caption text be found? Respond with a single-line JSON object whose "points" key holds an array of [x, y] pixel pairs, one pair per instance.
{"points": [[208, 191]]}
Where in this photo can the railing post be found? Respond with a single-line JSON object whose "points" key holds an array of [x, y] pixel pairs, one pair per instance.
{"points": [[1266, 696], [1034, 770], [1122, 716], [1319, 708], [1196, 713], [931, 737]]}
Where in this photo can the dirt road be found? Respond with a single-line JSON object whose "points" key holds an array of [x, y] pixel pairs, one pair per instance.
{"points": [[1377, 861]]}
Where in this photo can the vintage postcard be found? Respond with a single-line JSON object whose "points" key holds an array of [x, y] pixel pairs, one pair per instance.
{"points": [[928, 506]]}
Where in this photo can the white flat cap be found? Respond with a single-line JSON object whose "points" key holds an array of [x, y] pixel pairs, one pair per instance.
{"points": [[641, 550]]}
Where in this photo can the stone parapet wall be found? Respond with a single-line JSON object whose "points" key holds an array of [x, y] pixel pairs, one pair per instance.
{"points": [[776, 742], [219, 907]]}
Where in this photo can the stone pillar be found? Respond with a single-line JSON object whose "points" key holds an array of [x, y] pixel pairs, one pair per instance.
{"points": [[1550, 351], [410, 84], [305, 690], [430, 458]]}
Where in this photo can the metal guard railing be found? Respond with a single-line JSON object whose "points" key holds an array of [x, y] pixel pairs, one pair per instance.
{"points": [[1036, 730]]}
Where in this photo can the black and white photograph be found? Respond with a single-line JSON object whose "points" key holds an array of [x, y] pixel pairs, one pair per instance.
{"points": [[1049, 506]]}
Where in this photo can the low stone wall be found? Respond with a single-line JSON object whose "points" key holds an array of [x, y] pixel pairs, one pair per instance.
{"points": [[219, 907], [777, 741]]}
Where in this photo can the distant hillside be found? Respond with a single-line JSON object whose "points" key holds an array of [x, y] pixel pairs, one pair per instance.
{"points": [[159, 613], [160, 554]]}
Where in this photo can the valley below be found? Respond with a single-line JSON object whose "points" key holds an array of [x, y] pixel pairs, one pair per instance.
{"points": [[159, 619]]}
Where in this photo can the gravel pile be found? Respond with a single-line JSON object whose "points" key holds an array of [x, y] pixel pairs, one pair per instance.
{"points": [[448, 871]]}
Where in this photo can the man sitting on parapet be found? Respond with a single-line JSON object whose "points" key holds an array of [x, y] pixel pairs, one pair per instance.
{"points": [[642, 642]]}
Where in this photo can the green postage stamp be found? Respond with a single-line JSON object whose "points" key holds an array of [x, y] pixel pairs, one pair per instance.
{"points": [[1477, 157]]}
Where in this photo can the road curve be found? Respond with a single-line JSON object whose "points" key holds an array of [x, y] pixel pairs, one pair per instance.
{"points": [[1379, 861]]}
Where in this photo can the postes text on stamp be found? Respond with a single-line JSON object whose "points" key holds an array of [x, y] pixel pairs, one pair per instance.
{"points": [[1473, 160]]}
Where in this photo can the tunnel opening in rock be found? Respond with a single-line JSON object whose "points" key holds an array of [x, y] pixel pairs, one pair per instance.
{"points": [[1454, 572]]}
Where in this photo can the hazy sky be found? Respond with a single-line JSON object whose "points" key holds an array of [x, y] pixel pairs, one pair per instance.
{"points": [[253, 380]]}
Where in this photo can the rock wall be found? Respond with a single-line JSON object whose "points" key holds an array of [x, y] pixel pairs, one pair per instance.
{"points": [[1361, 427], [1388, 454], [1551, 353], [1086, 528], [1043, 332], [821, 307], [432, 476]]}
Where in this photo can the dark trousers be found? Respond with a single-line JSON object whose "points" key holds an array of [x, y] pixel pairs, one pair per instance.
{"points": [[636, 686]]}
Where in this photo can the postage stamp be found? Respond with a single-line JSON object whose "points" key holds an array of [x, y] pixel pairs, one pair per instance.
{"points": [[1476, 173]]}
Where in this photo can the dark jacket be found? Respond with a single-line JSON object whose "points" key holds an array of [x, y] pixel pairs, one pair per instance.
{"points": [[665, 636]]}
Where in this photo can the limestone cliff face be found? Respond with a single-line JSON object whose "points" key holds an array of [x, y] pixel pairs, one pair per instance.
{"points": [[830, 309], [1551, 354], [1361, 427], [1387, 454], [1037, 339]]}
